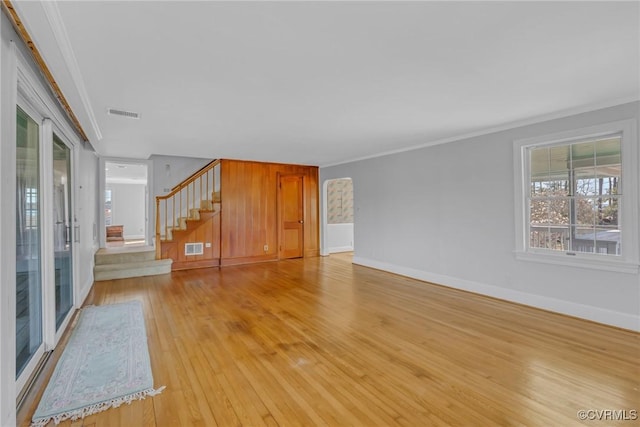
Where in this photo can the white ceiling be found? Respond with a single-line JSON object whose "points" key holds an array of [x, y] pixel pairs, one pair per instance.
{"points": [[325, 82], [125, 173]]}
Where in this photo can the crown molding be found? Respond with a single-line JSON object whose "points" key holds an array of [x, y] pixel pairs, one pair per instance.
{"points": [[35, 94], [64, 44], [494, 129]]}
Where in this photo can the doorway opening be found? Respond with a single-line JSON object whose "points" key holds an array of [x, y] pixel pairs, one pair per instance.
{"points": [[338, 218], [125, 204]]}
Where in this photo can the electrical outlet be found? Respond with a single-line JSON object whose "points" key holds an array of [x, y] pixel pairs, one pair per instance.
{"points": [[266, 248], [207, 245]]}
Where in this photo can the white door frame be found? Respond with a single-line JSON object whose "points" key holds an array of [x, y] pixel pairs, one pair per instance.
{"points": [[149, 229], [324, 217], [75, 230], [34, 99]]}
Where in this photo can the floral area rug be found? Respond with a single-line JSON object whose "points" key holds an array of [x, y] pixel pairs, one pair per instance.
{"points": [[105, 364]]}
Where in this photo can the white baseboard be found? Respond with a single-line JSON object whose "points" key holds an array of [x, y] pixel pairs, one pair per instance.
{"points": [[595, 314], [340, 249]]}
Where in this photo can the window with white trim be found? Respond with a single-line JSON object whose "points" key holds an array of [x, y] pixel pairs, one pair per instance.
{"points": [[577, 197]]}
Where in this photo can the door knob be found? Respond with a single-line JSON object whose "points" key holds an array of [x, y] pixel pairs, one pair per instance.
{"points": [[301, 221]]}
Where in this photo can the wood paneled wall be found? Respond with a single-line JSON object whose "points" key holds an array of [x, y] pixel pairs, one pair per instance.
{"points": [[205, 230], [249, 219]]}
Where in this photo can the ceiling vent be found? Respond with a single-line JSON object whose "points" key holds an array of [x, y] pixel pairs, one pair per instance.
{"points": [[123, 113]]}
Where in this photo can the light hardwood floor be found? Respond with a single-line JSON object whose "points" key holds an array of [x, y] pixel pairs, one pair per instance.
{"points": [[323, 342]]}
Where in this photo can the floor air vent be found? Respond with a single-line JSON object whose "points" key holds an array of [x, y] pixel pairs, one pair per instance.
{"points": [[193, 249], [123, 113]]}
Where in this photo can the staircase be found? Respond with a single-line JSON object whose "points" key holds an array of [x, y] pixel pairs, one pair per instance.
{"points": [[123, 262], [192, 220], [188, 221]]}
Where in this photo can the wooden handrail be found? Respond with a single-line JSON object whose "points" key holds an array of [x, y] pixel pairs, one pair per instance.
{"points": [[190, 179], [207, 167]]}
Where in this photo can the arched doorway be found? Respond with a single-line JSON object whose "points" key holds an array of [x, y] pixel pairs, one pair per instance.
{"points": [[338, 216]]}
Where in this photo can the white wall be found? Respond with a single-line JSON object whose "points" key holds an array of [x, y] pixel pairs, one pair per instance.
{"points": [[339, 237], [87, 205], [168, 171], [446, 214], [128, 208]]}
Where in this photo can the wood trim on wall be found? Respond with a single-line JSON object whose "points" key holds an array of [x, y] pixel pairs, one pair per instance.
{"points": [[19, 27], [248, 260]]}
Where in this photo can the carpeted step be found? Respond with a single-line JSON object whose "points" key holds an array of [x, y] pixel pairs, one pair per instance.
{"points": [[194, 214], [124, 255], [209, 205], [182, 225], [132, 269], [206, 205]]}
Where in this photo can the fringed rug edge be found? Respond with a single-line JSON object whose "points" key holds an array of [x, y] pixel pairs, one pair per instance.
{"points": [[98, 407]]}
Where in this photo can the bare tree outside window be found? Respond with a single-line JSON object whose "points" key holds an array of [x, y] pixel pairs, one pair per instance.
{"points": [[575, 196]]}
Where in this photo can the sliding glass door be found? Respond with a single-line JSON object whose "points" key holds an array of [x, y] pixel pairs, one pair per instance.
{"points": [[62, 229], [28, 242], [44, 240]]}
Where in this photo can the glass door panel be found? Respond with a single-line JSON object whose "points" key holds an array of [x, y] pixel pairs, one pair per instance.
{"points": [[28, 238], [62, 221]]}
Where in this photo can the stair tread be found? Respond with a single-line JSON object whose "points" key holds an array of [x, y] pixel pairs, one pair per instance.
{"points": [[110, 256], [126, 250]]}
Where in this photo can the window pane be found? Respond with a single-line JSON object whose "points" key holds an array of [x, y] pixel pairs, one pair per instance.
{"points": [[585, 211], [28, 275], [559, 159], [608, 152], [608, 179], [62, 229], [539, 237], [586, 183], [583, 156], [554, 238], [607, 241], [607, 211], [584, 240], [557, 185], [539, 163], [559, 211], [539, 211], [604, 241]]}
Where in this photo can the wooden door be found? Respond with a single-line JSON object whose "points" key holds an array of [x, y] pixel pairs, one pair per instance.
{"points": [[291, 213]]}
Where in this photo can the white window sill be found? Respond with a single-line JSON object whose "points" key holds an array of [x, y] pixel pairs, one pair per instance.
{"points": [[580, 260]]}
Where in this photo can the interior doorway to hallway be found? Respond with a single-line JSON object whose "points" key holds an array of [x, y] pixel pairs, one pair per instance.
{"points": [[338, 216], [126, 195]]}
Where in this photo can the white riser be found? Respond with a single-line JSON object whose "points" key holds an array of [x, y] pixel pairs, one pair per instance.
{"points": [[132, 269]]}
